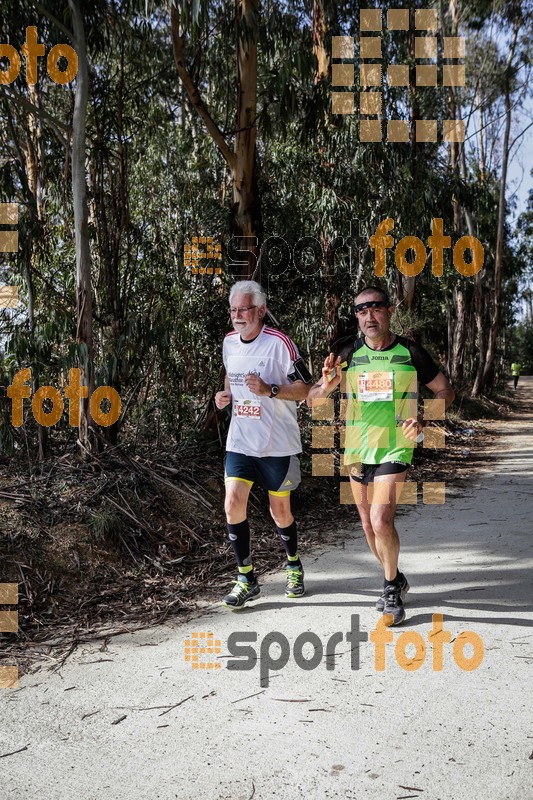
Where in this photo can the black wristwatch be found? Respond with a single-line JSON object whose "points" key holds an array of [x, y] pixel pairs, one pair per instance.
{"points": [[274, 390]]}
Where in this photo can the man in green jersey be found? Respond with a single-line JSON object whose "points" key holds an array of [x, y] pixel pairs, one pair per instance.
{"points": [[379, 374], [516, 369]]}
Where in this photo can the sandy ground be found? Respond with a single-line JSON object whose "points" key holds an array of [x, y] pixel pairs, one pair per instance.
{"points": [[133, 719]]}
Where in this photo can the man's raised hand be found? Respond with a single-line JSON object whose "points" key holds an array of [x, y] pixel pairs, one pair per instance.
{"points": [[331, 372]]}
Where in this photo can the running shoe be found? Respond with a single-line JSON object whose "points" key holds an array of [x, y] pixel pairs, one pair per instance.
{"points": [[404, 588], [295, 581], [393, 610], [242, 592]]}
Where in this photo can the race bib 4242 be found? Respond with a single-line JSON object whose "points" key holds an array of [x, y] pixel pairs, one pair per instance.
{"points": [[247, 408]]}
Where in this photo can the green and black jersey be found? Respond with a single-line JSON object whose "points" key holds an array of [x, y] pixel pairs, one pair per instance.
{"points": [[381, 389]]}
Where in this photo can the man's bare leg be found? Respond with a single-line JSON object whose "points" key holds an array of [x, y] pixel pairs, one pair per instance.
{"points": [[236, 503], [360, 494], [376, 504], [384, 499]]}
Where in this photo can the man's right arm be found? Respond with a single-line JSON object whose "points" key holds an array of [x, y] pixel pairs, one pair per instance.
{"points": [[223, 398], [331, 378]]}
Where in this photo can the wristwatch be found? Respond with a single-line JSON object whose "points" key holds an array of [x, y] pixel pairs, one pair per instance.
{"points": [[274, 390]]}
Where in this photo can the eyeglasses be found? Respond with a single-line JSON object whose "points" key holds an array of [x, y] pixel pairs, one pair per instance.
{"points": [[241, 310]]}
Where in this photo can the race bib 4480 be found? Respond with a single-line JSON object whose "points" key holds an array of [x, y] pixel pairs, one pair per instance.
{"points": [[373, 386], [247, 408]]}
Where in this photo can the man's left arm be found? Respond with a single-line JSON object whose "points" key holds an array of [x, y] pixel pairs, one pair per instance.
{"points": [[442, 389], [298, 376], [438, 384], [298, 390]]}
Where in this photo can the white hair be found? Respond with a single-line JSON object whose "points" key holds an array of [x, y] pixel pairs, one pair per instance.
{"points": [[249, 287]]}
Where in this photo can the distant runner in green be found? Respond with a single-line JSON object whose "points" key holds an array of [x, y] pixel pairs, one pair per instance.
{"points": [[516, 369], [379, 374]]}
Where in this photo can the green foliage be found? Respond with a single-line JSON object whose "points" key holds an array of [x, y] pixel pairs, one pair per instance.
{"points": [[104, 523], [520, 346], [155, 180]]}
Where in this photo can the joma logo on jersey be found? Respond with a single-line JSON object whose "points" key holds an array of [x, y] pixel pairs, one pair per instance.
{"points": [[379, 358]]}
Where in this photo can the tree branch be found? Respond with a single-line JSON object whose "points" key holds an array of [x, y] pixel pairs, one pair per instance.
{"points": [[192, 90], [57, 126], [59, 25], [516, 138]]}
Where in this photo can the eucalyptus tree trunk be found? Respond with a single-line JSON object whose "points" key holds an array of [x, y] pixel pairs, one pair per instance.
{"points": [[487, 366], [247, 219], [458, 340], [320, 36], [242, 160], [33, 152], [29, 150], [480, 317], [84, 334], [456, 344], [495, 326]]}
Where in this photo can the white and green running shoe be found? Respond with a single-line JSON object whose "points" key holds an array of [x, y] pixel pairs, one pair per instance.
{"points": [[295, 581], [242, 592]]}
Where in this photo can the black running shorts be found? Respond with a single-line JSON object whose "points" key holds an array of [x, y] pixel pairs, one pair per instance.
{"points": [[278, 474], [365, 473]]}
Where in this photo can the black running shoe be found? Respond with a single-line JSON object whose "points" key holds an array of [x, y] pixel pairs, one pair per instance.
{"points": [[404, 588], [295, 581], [242, 591], [393, 611]]}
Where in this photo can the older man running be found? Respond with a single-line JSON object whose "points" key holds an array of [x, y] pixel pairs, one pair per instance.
{"points": [[265, 376]]}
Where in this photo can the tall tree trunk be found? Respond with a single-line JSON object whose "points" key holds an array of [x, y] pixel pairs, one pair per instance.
{"points": [[320, 36], [482, 165], [456, 344], [84, 333], [479, 315], [29, 148], [242, 160], [406, 285], [245, 193], [486, 364], [498, 257]]}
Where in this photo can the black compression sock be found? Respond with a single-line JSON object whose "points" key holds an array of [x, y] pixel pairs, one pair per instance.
{"points": [[289, 537], [239, 536], [395, 582]]}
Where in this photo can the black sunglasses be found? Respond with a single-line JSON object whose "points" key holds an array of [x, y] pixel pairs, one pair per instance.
{"points": [[370, 304]]}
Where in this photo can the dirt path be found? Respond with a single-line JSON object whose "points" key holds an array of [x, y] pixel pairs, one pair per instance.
{"points": [[133, 720]]}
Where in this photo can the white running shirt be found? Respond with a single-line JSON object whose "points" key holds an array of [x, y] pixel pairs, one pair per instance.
{"points": [[260, 425]]}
